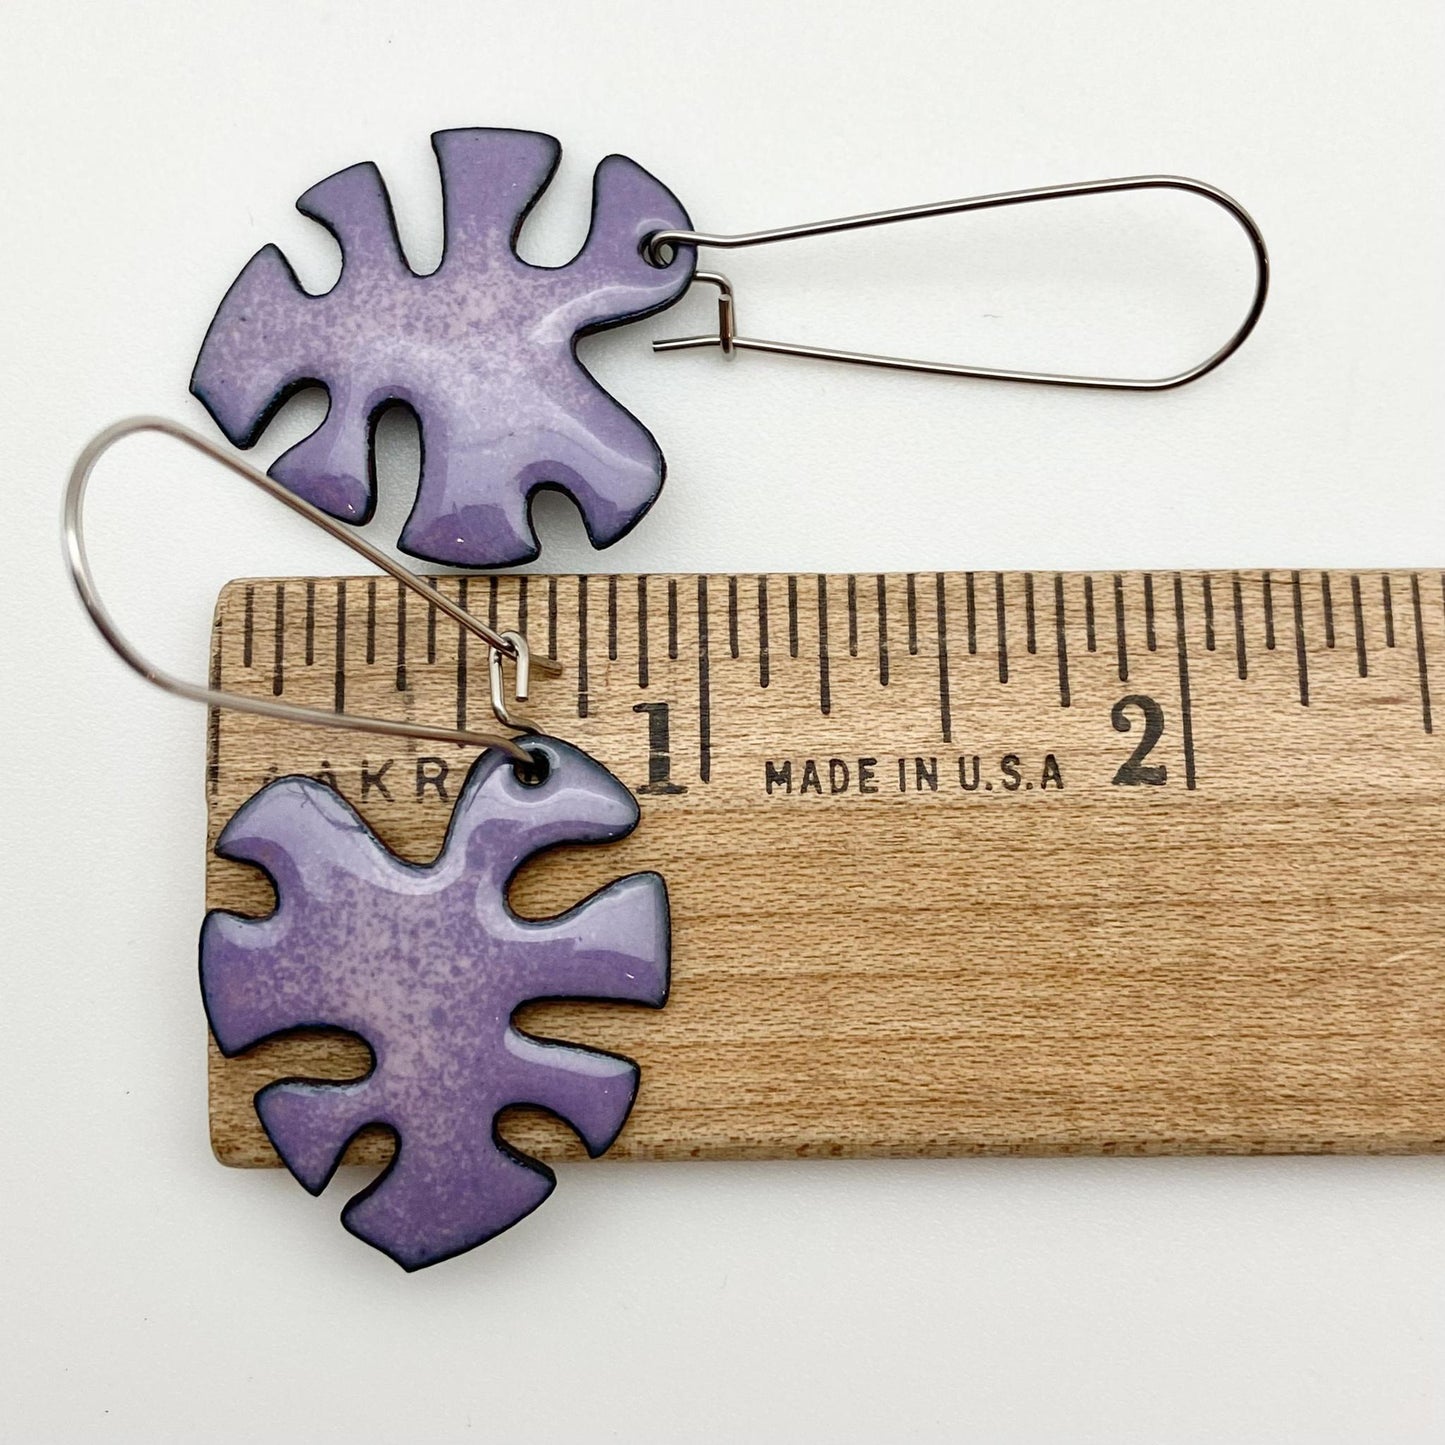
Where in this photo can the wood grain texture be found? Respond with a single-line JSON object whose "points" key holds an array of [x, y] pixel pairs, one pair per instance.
{"points": [[914, 911]]}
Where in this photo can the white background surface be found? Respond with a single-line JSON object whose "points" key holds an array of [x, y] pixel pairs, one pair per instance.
{"points": [[149, 1294]]}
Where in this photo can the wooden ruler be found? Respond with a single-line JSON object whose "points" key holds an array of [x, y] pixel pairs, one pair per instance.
{"points": [[959, 863]]}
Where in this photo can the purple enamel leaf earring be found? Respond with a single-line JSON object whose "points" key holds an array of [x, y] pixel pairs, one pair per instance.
{"points": [[427, 966], [483, 350]]}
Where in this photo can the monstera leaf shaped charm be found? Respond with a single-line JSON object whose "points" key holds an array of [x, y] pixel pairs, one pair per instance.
{"points": [[483, 350], [427, 964]]}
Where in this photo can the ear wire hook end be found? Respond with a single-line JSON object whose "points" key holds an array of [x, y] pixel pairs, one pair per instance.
{"points": [[726, 337], [523, 658]]}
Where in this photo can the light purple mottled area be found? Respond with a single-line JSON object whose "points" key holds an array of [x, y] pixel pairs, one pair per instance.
{"points": [[427, 964], [482, 350]]}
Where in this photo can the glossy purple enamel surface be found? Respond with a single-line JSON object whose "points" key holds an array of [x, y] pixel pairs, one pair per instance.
{"points": [[482, 350], [427, 964]]}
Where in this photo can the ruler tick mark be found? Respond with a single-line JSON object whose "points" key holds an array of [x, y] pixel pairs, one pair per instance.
{"points": [[612, 618], [582, 700], [1269, 639], [792, 616], [1121, 640], [972, 603], [642, 631], [522, 605], [431, 626], [371, 619], [733, 618], [339, 691], [400, 638], [825, 699], [278, 655], [1361, 659], [461, 657], [1090, 635], [551, 617], [1421, 663], [1061, 639], [248, 625], [1030, 625], [1151, 640], [704, 707], [882, 631], [1208, 613], [672, 619], [1387, 599], [945, 707], [1000, 608], [763, 632], [852, 615], [1301, 653], [1328, 601], [912, 602], [1186, 710], [310, 621], [1240, 654]]}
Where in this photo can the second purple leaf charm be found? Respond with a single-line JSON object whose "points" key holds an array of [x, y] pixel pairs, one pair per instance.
{"points": [[483, 350], [427, 964]]}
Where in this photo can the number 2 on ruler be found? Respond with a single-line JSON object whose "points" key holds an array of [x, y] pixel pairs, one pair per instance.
{"points": [[1135, 771]]}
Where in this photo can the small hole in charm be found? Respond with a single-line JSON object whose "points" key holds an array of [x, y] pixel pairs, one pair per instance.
{"points": [[535, 772]]}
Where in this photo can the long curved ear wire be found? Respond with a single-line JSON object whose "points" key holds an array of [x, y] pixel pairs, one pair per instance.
{"points": [[511, 645], [661, 243]]}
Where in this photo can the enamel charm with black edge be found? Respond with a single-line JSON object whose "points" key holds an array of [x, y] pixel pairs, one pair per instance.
{"points": [[425, 963], [483, 349]]}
